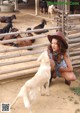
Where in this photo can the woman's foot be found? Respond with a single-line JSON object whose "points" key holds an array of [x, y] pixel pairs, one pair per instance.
{"points": [[67, 82]]}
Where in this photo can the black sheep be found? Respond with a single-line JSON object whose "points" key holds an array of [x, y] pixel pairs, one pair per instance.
{"points": [[30, 34], [41, 26], [43, 6], [9, 19], [6, 29]]}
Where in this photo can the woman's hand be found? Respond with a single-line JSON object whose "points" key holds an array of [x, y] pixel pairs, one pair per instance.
{"points": [[62, 69]]}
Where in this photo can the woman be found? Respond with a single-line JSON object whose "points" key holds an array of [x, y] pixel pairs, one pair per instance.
{"points": [[58, 53]]}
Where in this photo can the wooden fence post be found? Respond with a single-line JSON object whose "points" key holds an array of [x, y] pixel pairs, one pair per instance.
{"points": [[36, 7]]}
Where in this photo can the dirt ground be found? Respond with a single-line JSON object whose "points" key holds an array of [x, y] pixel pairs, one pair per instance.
{"points": [[61, 100]]}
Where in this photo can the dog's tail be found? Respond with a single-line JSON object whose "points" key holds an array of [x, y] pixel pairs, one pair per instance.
{"points": [[27, 103], [14, 101], [19, 95]]}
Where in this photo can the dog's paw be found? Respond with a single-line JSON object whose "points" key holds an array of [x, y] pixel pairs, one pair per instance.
{"points": [[42, 94], [47, 94]]}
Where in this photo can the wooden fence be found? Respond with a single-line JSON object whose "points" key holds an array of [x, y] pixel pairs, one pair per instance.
{"points": [[70, 25], [73, 36], [17, 62]]}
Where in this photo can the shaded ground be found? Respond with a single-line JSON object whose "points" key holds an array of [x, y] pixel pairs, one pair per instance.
{"points": [[61, 100]]}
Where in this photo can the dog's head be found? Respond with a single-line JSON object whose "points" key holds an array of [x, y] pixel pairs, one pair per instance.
{"points": [[43, 57]]}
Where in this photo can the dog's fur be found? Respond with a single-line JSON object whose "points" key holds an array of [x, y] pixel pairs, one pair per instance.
{"points": [[40, 80], [51, 10]]}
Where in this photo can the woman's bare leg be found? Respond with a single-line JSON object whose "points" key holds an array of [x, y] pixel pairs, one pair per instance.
{"points": [[69, 76]]}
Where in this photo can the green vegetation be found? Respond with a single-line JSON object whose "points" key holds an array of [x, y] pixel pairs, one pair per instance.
{"points": [[76, 90], [62, 3]]}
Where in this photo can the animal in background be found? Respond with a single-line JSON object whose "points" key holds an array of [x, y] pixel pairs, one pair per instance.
{"points": [[30, 34], [51, 10], [41, 79], [41, 26], [7, 19], [43, 6], [18, 43], [14, 30], [19, 1], [23, 1], [7, 28], [8, 37], [22, 43]]}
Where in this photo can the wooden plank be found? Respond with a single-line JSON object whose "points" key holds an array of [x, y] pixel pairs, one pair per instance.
{"points": [[75, 57], [23, 48], [74, 41], [21, 54], [75, 53], [74, 35], [12, 62], [20, 74], [20, 68], [21, 39]]}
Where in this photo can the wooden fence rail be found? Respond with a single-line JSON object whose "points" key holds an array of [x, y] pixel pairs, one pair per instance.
{"points": [[18, 61], [21, 54], [24, 48], [20, 74], [29, 31]]}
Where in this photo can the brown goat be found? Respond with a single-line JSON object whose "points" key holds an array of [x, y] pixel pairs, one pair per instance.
{"points": [[30, 34], [23, 42], [8, 19], [19, 43]]}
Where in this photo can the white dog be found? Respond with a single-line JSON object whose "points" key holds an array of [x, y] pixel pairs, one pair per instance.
{"points": [[51, 9], [40, 80]]}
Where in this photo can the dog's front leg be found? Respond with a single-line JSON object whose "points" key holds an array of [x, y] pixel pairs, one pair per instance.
{"points": [[49, 15], [42, 90], [47, 88]]}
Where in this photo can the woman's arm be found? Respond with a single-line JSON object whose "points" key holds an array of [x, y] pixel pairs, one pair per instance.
{"points": [[69, 67]]}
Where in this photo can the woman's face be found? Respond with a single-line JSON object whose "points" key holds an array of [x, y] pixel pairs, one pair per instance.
{"points": [[54, 45]]}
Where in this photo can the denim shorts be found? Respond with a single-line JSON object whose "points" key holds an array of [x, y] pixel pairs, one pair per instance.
{"points": [[58, 65]]}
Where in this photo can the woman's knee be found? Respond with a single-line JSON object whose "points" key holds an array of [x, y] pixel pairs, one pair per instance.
{"points": [[72, 78], [69, 76]]}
